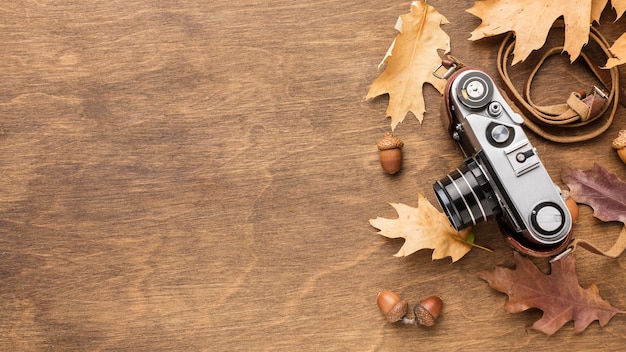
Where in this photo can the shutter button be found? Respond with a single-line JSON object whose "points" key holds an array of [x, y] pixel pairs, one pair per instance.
{"points": [[500, 134]]}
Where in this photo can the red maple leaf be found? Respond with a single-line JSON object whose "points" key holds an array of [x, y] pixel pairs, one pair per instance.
{"points": [[558, 295]]}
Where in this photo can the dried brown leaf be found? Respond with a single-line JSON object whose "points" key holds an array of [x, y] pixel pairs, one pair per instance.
{"points": [[618, 50], [410, 60], [619, 6], [600, 189], [597, 6], [531, 21], [423, 227], [558, 295]]}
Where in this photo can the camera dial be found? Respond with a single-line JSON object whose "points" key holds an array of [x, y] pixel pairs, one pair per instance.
{"points": [[548, 219], [495, 109], [475, 91]]}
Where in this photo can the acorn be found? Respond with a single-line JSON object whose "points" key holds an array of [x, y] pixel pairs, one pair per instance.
{"points": [[395, 309], [391, 305], [619, 144], [571, 205], [390, 153], [427, 312]]}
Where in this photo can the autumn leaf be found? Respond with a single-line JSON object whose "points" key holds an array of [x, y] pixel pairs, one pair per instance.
{"points": [[424, 227], [618, 5], [597, 6], [558, 295], [600, 189], [410, 60], [531, 21], [618, 50]]}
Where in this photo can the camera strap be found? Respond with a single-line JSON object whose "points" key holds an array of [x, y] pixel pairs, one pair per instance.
{"points": [[618, 247], [583, 115]]}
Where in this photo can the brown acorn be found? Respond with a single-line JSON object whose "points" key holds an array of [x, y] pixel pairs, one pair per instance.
{"points": [[390, 153], [391, 305], [571, 204], [619, 144], [427, 312]]}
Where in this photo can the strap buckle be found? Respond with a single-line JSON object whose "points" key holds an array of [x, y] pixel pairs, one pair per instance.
{"points": [[448, 73], [569, 250], [600, 92]]}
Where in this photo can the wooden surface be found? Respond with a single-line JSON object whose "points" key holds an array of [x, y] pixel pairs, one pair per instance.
{"points": [[199, 175]]}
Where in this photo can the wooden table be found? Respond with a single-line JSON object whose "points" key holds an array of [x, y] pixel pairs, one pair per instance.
{"points": [[199, 175]]}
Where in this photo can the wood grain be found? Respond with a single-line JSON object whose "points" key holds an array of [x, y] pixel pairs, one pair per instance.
{"points": [[185, 175]]}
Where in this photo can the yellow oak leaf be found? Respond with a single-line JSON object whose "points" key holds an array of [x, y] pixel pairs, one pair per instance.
{"points": [[531, 21], [424, 227], [618, 50], [597, 6], [619, 6], [411, 59]]}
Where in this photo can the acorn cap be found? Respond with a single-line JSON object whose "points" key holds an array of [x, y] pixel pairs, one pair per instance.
{"points": [[389, 142], [428, 311], [391, 305], [397, 312], [620, 141], [423, 316]]}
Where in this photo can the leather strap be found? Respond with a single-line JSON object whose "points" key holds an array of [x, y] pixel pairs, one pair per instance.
{"points": [[618, 247], [583, 116]]}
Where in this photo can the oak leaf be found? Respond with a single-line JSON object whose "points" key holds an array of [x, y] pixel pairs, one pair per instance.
{"points": [[531, 21], [424, 227], [618, 5], [558, 295], [600, 189], [411, 59], [618, 50], [597, 6]]}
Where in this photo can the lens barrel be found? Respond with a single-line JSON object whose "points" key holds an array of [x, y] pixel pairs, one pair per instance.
{"points": [[466, 195]]}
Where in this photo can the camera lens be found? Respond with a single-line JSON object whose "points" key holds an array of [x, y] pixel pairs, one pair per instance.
{"points": [[466, 195]]}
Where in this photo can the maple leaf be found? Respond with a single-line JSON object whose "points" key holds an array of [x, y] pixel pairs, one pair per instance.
{"points": [[531, 21], [600, 189], [558, 295], [424, 227], [411, 59]]}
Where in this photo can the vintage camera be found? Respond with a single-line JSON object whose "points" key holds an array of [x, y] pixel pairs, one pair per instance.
{"points": [[501, 177]]}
